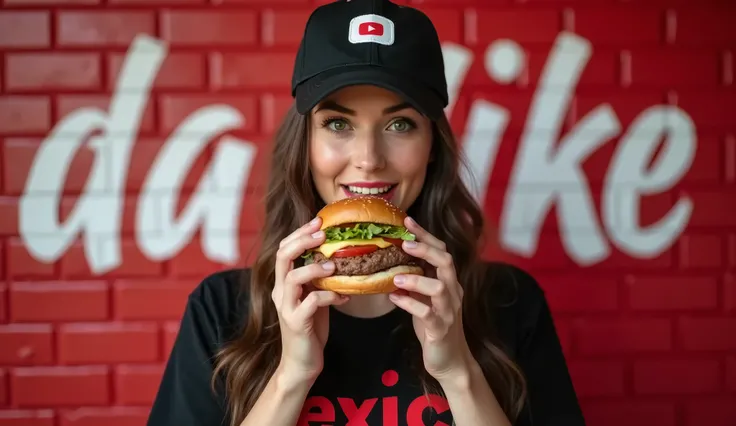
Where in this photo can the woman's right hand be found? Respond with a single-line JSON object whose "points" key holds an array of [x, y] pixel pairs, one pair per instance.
{"points": [[303, 311]]}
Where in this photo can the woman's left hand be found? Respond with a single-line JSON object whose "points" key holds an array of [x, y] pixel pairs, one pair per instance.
{"points": [[436, 306]]}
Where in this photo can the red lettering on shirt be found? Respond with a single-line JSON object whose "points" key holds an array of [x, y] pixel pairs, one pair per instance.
{"points": [[326, 411], [357, 416], [417, 407]]}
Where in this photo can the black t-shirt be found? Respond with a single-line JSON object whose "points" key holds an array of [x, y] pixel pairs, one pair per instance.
{"points": [[366, 375]]}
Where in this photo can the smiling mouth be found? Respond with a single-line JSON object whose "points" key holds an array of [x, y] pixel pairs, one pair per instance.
{"points": [[361, 190]]}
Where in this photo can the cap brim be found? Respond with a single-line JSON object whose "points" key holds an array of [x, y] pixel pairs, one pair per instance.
{"points": [[317, 88]]}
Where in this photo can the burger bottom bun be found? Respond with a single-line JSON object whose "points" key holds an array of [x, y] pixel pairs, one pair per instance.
{"points": [[380, 282]]}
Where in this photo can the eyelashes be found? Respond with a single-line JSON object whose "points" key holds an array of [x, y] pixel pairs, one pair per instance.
{"points": [[329, 121]]}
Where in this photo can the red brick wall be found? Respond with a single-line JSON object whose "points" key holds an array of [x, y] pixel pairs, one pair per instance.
{"points": [[649, 326]]}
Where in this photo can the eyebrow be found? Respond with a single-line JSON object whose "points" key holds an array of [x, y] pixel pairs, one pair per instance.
{"points": [[334, 106]]}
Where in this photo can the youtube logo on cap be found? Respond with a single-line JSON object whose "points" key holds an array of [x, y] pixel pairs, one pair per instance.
{"points": [[371, 29]]}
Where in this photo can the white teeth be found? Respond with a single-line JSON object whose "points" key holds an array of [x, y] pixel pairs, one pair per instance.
{"points": [[366, 191]]}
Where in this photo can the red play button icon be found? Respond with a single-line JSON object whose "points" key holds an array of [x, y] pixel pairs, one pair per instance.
{"points": [[370, 28]]}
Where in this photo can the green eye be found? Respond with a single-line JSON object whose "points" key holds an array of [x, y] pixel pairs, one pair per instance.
{"points": [[338, 125], [400, 126]]}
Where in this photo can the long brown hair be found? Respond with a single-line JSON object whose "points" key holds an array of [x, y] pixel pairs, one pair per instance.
{"points": [[444, 207]]}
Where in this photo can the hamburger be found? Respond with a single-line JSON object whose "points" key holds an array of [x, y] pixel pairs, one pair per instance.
{"points": [[363, 238]]}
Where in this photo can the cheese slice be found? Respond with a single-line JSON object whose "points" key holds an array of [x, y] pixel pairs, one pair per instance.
{"points": [[328, 249]]}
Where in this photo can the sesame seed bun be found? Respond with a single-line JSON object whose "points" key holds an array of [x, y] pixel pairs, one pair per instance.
{"points": [[361, 209]]}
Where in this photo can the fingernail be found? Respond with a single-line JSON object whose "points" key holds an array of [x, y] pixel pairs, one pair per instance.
{"points": [[410, 244], [399, 279], [412, 221], [318, 234], [328, 265], [314, 221]]}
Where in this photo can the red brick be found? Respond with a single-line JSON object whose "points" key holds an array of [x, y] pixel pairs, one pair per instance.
{"points": [[214, 27], [700, 251], [580, 294], [20, 154], [3, 300], [170, 332], [156, 2], [21, 29], [731, 373], [51, 2], [707, 334], [710, 110], [729, 292], [524, 26], [74, 264], [447, 22], [664, 376], [273, 110], [705, 26], [178, 70], [22, 265], [708, 164], [26, 418], [620, 25], [50, 386], [50, 71], [672, 293], [8, 216], [284, 27], [144, 154], [657, 68], [59, 301], [4, 390], [264, 70], [597, 378], [151, 300], [24, 114], [714, 208], [137, 385], [107, 343], [627, 105], [617, 413], [67, 104], [176, 108], [731, 256], [191, 261], [108, 28], [26, 344], [711, 411], [608, 336], [108, 416], [128, 212]]}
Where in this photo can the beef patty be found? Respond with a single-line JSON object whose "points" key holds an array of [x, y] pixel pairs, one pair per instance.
{"points": [[370, 263]]}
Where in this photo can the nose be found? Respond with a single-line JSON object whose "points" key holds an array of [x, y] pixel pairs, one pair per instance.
{"points": [[367, 152]]}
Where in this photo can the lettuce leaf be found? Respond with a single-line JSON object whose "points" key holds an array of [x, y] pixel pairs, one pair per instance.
{"points": [[366, 231]]}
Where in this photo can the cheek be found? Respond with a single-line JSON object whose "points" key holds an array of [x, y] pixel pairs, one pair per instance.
{"points": [[411, 160], [326, 160]]}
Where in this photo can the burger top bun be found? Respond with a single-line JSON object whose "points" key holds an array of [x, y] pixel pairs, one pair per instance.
{"points": [[361, 209]]}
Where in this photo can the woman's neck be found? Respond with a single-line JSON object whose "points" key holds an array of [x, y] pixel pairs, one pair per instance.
{"points": [[367, 306]]}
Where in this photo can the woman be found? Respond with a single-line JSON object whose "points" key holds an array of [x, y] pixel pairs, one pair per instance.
{"points": [[472, 343]]}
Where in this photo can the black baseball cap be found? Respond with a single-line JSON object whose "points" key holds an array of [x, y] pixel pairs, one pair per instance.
{"points": [[377, 42]]}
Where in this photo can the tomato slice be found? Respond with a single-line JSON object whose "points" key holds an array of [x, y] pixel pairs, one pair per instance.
{"points": [[351, 251], [394, 241]]}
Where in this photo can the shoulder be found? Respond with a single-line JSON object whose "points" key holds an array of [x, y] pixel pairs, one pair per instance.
{"points": [[514, 301], [221, 299], [510, 286]]}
